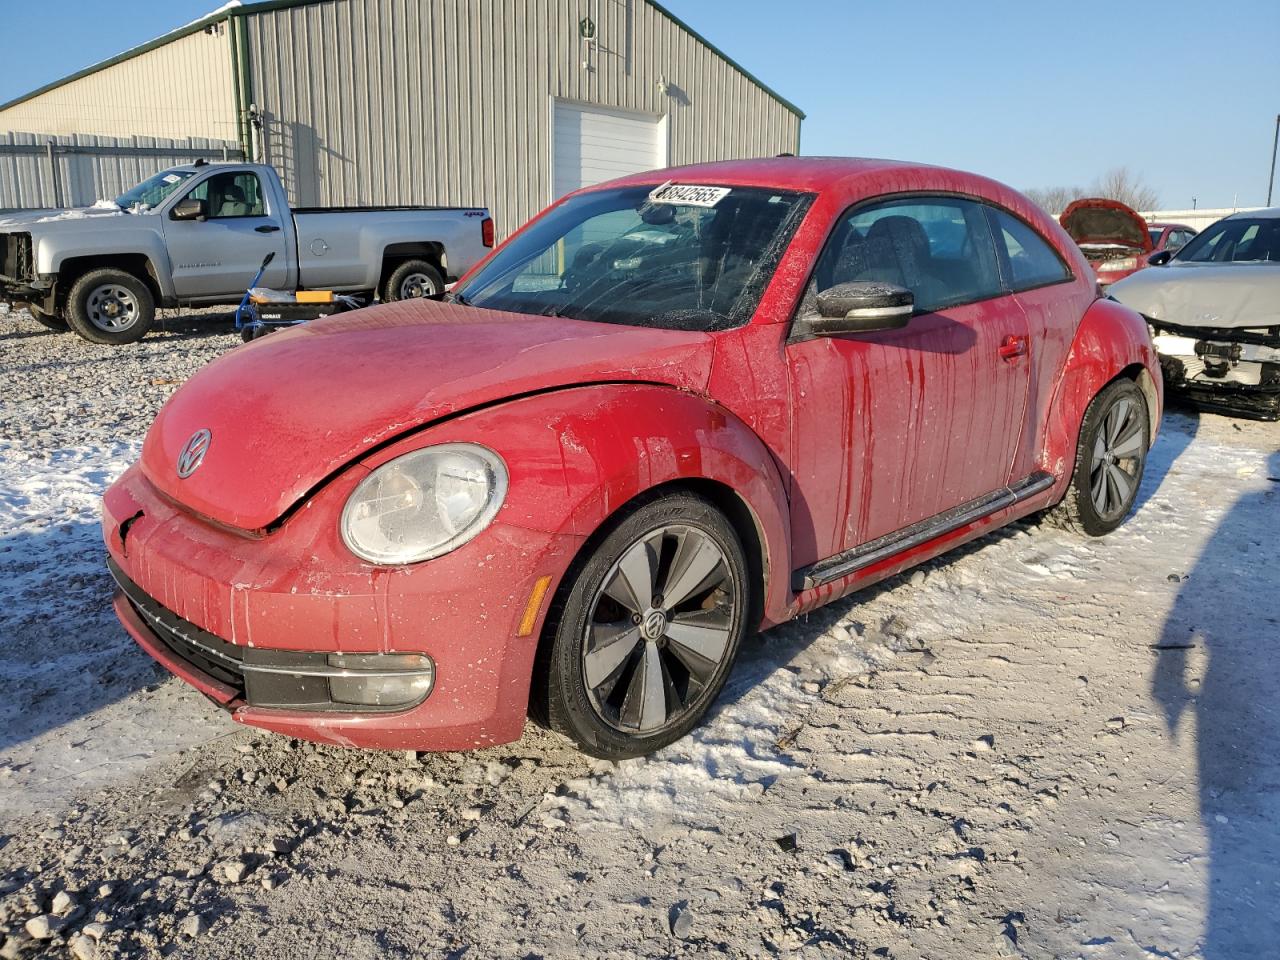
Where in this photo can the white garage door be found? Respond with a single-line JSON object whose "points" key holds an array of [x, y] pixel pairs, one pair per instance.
{"points": [[592, 144]]}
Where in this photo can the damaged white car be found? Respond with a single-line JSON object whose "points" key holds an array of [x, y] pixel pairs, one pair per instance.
{"points": [[1214, 311]]}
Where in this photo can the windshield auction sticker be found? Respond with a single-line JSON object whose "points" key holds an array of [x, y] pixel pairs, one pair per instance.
{"points": [[688, 194]]}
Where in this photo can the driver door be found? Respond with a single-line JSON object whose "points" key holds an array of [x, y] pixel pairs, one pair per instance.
{"points": [[219, 256], [895, 428]]}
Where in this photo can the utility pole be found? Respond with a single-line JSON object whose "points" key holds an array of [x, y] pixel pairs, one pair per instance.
{"points": [[1274, 142]]}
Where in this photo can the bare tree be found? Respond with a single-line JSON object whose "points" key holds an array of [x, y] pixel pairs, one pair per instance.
{"points": [[1126, 186], [1053, 200]]}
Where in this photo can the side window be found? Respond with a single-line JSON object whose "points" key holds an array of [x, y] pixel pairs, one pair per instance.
{"points": [[1032, 262], [938, 248], [1177, 240], [1248, 247], [234, 194]]}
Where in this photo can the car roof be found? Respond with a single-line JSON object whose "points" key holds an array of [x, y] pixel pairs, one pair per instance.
{"points": [[1269, 213], [780, 173], [839, 180]]}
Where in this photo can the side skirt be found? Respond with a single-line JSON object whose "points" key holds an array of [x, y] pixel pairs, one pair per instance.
{"points": [[882, 548]]}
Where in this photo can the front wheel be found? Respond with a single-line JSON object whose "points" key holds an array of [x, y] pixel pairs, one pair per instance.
{"points": [[1110, 458], [413, 280], [110, 306], [647, 630], [50, 320]]}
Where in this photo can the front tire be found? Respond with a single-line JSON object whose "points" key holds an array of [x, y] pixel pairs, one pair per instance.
{"points": [[1111, 455], [413, 280], [50, 320], [110, 306], [645, 630]]}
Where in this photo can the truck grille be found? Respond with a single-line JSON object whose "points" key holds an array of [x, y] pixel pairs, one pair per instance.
{"points": [[15, 257]]}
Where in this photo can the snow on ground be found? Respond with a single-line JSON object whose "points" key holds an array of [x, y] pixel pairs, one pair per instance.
{"points": [[1037, 746]]}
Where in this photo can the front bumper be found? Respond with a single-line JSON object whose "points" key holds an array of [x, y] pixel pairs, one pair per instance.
{"points": [[274, 678], [234, 616], [1230, 371]]}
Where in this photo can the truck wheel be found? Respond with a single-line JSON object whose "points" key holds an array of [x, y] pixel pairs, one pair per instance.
{"points": [[50, 320], [110, 306], [413, 280]]}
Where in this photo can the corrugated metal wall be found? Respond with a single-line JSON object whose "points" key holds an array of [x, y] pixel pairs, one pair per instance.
{"points": [[450, 101], [181, 89], [86, 168]]}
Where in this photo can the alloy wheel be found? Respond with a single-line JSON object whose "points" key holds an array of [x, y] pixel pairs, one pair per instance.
{"points": [[658, 629], [1118, 453]]}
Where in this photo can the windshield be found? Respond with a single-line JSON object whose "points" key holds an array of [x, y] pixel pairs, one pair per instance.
{"points": [[697, 258], [1247, 240], [1155, 235], [151, 192]]}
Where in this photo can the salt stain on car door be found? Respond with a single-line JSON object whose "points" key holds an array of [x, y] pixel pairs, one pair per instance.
{"points": [[925, 418]]}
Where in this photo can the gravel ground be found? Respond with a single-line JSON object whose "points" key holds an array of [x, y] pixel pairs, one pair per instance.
{"points": [[1037, 746]]}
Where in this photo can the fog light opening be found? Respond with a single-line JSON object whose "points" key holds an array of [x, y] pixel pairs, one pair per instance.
{"points": [[381, 680]]}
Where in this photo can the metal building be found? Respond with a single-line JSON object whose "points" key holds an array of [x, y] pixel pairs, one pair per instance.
{"points": [[507, 103]]}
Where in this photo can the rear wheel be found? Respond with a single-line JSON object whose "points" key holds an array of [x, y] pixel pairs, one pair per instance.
{"points": [[647, 630], [50, 320], [110, 306], [413, 280], [1110, 458]]}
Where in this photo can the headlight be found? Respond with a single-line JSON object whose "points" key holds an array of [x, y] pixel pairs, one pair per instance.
{"points": [[424, 504], [1128, 263]]}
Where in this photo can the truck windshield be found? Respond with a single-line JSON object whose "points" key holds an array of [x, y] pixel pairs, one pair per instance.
{"points": [[678, 257], [152, 191]]}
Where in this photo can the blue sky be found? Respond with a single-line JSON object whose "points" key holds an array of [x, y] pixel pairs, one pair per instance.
{"points": [[1184, 92]]}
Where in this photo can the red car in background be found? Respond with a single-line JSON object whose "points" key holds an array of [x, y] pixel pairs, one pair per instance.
{"points": [[671, 410], [1116, 240]]}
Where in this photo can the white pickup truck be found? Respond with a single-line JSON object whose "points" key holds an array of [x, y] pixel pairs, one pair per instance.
{"points": [[196, 234]]}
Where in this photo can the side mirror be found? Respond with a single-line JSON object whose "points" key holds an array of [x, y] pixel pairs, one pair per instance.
{"points": [[863, 306], [190, 209], [1160, 258]]}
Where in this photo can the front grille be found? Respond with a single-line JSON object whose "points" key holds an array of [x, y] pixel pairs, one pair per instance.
{"points": [[207, 653], [15, 257], [282, 679]]}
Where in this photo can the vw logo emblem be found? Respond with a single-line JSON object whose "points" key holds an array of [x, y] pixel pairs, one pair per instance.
{"points": [[654, 625], [193, 452]]}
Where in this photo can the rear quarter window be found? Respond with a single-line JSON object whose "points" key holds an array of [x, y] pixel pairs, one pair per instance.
{"points": [[1029, 258]]}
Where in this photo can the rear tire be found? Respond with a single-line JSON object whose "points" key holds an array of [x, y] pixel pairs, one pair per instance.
{"points": [[1111, 455], [627, 669], [50, 320], [110, 306], [413, 280]]}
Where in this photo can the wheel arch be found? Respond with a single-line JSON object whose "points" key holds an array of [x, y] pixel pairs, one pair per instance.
{"points": [[135, 264], [1112, 342], [582, 455], [394, 254], [744, 520]]}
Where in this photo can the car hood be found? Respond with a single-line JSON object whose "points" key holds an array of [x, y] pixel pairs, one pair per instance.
{"points": [[1219, 295], [1097, 220], [55, 219], [287, 411]]}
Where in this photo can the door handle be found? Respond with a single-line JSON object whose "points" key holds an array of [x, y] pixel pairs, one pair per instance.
{"points": [[1013, 346], [266, 228]]}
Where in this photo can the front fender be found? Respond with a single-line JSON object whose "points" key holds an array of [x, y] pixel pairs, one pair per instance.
{"points": [[579, 454], [1110, 340], [55, 249]]}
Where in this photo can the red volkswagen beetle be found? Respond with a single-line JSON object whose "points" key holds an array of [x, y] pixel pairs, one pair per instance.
{"points": [[673, 409]]}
